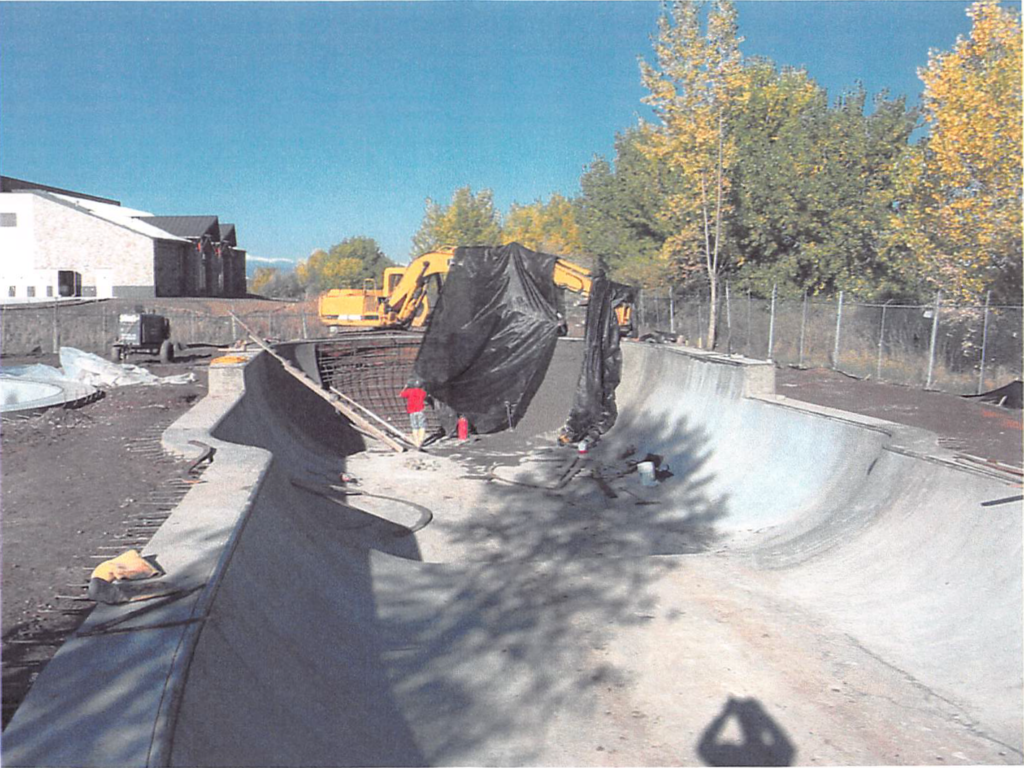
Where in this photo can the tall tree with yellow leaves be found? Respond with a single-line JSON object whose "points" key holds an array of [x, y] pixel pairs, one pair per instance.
{"points": [[548, 227], [694, 87], [958, 223]]}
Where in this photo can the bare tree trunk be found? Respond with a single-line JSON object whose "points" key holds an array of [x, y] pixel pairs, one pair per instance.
{"points": [[713, 311], [711, 252]]}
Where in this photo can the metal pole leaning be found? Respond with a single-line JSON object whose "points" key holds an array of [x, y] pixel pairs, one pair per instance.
{"points": [[771, 322], [358, 421], [935, 336]]}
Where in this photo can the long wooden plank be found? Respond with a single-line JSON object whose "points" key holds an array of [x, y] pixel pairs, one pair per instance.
{"points": [[371, 414], [361, 423]]}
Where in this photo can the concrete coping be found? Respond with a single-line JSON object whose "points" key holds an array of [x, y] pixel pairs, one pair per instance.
{"points": [[24, 394]]}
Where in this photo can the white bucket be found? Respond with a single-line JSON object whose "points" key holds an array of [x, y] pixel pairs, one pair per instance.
{"points": [[646, 470]]}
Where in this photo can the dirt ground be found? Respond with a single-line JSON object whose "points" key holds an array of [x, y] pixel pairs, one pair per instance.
{"points": [[81, 485], [962, 424]]}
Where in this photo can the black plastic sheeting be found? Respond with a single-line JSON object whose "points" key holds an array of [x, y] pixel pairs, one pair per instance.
{"points": [[594, 412], [490, 336]]}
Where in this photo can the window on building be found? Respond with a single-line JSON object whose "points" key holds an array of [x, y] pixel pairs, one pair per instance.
{"points": [[12, 291], [8, 219], [30, 291], [49, 290], [69, 283]]}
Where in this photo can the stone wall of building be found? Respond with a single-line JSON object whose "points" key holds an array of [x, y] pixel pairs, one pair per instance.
{"points": [[70, 238]]}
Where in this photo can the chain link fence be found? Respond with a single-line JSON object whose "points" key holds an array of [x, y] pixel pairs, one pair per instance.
{"points": [[92, 326], [959, 349]]}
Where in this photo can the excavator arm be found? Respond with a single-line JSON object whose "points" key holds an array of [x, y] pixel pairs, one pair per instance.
{"points": [[405, 302], [401, 305]]}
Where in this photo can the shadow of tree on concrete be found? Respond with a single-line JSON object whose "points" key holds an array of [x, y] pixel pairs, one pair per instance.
{"points": [[500, 658]]}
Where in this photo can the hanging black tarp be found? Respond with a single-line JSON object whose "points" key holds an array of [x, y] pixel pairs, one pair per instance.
{"points": [[491, 335], [594, 412]]}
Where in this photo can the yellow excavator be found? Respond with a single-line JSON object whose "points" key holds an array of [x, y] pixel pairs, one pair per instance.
{"points": [[404, 300]]}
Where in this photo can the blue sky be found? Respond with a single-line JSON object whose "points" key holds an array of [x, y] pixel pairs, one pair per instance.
{"points": [[306, 123]]}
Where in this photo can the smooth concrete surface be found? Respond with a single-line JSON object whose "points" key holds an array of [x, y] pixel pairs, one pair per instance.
{"points": [[20, 394], [803, 586]]}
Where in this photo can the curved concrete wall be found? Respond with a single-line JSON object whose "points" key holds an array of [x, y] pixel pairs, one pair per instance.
{"points": [[501, 633]]}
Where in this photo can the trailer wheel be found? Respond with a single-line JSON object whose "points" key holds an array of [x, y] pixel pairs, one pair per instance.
{"points": [[167, 352]]}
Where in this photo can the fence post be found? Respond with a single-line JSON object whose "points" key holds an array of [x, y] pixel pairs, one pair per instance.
{"points": [[771, 322], [643, 314], [234, 327], [671, 311], [839, 328], [935, 336], [728, 319], [56, 328], [881, 341], [302, 314], [748, 322], [984, 343], [803, 330], [700, 323]]}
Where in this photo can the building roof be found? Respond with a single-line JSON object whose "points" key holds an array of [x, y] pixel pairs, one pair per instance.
{"points": [[114, 214], [186, 226], [10, 184], [227, 234]]}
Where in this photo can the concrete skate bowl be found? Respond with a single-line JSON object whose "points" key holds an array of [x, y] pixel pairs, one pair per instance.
{"points": [[805, 587], [25, 395]]}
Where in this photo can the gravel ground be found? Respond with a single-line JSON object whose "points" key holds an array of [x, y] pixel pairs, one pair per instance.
{"points": [[75, 485]]}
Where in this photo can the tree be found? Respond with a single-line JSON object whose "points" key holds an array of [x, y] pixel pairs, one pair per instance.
{"points": [[276, 284], [345, 265], [261, 277], [468, 220], [619, 212], [958, 220], [548, 227], [813, 187], [693, 90]]}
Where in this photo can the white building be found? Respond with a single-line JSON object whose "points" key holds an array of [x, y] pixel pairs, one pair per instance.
{"points": [[57, 243]]}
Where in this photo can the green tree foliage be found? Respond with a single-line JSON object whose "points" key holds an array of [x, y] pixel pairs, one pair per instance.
{"points": [[346, 265], [619, 213], [549, 227], [813, 187], [470, 219], [958, 223]]}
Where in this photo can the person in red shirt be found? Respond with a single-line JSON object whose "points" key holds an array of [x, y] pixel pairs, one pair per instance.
{"points": [[415, 401]]}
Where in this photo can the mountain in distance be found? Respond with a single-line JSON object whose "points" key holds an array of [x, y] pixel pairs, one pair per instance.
{"points": [[252, 263]]}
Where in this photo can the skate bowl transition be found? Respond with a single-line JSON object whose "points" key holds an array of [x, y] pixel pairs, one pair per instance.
{"points": [[799, 586]]}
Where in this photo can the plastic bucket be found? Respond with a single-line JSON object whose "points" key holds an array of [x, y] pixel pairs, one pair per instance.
{"points": [[646, 470]]}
